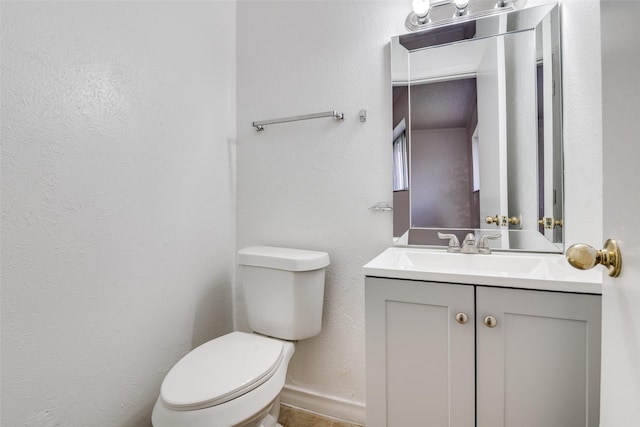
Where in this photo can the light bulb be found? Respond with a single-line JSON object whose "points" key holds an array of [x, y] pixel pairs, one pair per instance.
{"points": [[461, 7], [421, 7]]}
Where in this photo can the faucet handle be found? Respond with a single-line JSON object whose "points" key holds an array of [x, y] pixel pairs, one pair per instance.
{"points": [[483, 244], [454, 243]]}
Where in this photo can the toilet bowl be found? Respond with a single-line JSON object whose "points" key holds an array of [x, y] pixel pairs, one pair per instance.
{"points": [[232, 380], [236, 379]]}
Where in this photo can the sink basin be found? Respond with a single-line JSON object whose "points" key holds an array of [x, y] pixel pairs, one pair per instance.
{"points": [[511, 269]]}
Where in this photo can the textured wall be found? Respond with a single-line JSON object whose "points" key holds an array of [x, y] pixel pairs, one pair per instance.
{"points": [[309, 184], [118, 123], [582, 120]]}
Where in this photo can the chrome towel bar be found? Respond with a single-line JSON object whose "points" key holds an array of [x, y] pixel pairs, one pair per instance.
{"points": [[261, 124]]}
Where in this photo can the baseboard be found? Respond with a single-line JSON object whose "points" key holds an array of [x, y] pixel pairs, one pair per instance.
{"points": [[330, 406]]}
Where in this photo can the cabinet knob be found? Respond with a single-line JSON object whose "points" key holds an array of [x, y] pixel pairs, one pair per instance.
{"points": [[490, 321], [462, 318]]}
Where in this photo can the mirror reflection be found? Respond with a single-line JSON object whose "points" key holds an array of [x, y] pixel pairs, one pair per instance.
{"points": [[477, 137]]}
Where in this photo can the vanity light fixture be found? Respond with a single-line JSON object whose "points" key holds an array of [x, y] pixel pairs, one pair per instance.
{"points": [[436, 13]]}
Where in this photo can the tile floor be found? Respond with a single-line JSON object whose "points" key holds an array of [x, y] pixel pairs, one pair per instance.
{"points": [[294, 417]]}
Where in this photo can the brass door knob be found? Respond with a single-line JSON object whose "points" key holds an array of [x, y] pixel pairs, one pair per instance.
{"points": [[502, 220], [584, 257], [462, 318], [492, 219], [550, 223], [490, 321]]}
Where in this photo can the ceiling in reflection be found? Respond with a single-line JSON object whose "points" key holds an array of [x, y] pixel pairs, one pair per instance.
{"points": [[443, 105]]}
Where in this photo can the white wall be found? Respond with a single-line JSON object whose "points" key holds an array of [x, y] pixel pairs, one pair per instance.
{"points": [[309, 184], [582, 121], [118, 222]]}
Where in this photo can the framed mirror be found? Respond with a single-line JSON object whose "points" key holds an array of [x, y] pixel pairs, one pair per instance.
{"points": [[477, 140]]}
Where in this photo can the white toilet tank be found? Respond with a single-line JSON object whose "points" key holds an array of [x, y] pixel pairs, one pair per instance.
{"points": [[283, 290]]}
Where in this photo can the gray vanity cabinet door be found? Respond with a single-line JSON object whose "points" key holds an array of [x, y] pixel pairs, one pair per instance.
{"points": [[539, 364], [420, 359]]}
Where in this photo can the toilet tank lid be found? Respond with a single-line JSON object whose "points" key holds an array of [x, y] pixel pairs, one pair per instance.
{"points": [[283, 258]]}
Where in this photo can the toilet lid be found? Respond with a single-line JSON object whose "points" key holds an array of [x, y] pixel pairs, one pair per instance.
{"points": [[221, 370]]}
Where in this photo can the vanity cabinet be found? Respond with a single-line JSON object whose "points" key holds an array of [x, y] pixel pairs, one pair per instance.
{"points": [[443, 354]]}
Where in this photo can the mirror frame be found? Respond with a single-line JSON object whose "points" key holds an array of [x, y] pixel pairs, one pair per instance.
{"points": [[528, 19]]}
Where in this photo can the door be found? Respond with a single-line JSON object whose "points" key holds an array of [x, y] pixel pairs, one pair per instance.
{"points": [[537, 358], [420, 353], [621, 153]]}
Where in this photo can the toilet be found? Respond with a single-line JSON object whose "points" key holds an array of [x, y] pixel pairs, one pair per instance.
{"points": [[236, 379]]}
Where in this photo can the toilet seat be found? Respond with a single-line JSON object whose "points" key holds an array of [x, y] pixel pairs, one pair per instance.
{"points": [[221, 370]]}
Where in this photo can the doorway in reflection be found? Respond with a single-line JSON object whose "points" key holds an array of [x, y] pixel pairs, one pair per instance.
{"points": [[443, 161]]}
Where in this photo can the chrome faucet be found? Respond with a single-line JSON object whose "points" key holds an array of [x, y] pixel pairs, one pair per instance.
{"points": [[469, 243]]}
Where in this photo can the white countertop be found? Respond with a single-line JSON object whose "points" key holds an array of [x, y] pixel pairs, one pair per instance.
{"points": [[549, 272]]}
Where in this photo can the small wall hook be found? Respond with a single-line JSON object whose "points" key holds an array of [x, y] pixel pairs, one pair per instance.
{"points": [[381, 207]]}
